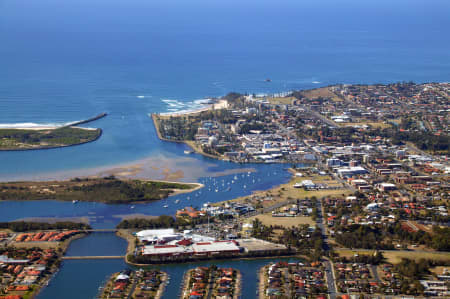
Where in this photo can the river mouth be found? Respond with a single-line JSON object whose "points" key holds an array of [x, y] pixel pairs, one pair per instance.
{"points": [[155, 167]]}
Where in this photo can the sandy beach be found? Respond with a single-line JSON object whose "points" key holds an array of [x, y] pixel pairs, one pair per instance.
{"points": [[84, 220], [183, 168], [38, 127]]}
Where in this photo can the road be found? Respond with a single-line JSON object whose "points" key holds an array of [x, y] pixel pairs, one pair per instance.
{"points": [[133, 287], [389, 250], [329, 271], [373, 268], [104, 230], [319, 116], [269, 209], [209, 291], [287, 289]]}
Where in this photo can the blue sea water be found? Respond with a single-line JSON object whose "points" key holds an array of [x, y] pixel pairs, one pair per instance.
{"points": [[70, 60], [62, 61]]}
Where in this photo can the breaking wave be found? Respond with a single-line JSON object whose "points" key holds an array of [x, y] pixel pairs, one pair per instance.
{"points": [[178, 107]]}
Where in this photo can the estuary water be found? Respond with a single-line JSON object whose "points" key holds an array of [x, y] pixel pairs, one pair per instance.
{"points": [[62, 61], [102, 215]]}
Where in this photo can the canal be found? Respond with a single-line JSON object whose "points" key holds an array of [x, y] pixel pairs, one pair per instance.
{"points": [[83, 278]]}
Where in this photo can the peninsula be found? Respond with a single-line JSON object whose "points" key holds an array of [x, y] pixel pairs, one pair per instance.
{"points": [[288, 127], [46, 137]]}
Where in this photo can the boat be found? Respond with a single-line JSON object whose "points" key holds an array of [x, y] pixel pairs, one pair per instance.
{"points": [[165, 206], [177, 201], [188, 152], [132, 207], [268, 80], [74, 201]]}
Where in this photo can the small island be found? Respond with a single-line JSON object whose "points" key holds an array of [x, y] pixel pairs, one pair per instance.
{"points": [[46, 137], [106, 190]]}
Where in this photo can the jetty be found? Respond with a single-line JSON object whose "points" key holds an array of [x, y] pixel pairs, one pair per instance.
{"points": [[81, 122]]}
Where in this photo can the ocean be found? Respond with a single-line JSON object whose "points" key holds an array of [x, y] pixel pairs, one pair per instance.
{"points": [[65, 61], [62, 61]]}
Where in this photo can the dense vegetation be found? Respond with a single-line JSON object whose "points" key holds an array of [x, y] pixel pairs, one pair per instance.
{"points": [[377, 237], [163, 221], [22, 226], [300, 237], [362, 236], [109, 190], [185, 128], [411, 271], [373, 259], [424, 141], [11, 139]]}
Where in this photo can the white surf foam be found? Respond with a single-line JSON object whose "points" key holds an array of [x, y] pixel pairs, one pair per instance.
{"points": [[179, 107], [29, 125]]}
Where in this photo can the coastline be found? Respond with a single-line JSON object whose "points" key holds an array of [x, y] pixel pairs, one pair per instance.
{"points": [[73, 125], [62, 196], [185, 283], [261, 276], [238, 285], [63, 246], [218, 104], [189, 143], [53, 146], [192, 144], [162, 286]]}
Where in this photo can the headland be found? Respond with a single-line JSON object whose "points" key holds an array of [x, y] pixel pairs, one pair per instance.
{"points": [[16, 138]]}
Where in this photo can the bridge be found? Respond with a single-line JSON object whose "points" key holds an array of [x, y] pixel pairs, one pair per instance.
{"points": [[101, 230], [100, 257]]}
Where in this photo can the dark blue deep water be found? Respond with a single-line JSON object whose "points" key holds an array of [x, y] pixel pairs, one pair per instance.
{"points": [[62, 61]]}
